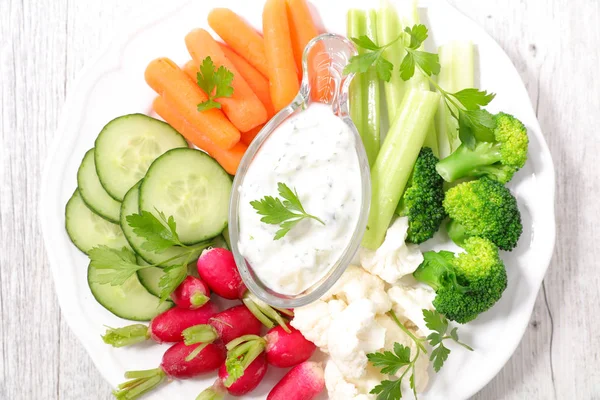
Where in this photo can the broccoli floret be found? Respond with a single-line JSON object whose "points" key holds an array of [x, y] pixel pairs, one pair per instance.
{"points": [[483, 208], [499, 159], [422, 199], [466, 284]]}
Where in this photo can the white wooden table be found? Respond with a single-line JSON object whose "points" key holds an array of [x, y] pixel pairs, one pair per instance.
{"points": [[555, 45]]}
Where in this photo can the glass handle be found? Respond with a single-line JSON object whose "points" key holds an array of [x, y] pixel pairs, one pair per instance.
{"points": [[323, 79]]}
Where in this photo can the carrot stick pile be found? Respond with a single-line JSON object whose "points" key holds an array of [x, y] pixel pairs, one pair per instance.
{"points": [[266, 72]]}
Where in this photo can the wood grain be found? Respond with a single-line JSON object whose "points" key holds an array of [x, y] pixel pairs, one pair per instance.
{"points": [[554, 45]]}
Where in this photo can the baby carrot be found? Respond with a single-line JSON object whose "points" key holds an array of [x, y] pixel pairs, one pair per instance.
{"points": [[240, 36], [302, 29], [257, 81], [169, 81], [228, 159], [243, 108], [248, 137], [283, 76]]}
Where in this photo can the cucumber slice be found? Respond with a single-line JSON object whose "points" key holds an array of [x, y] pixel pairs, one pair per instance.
{"points": [[92, 192], [126, 147], [88, 230], [129, 300], [149, 278], [192, 187], [130, 206]]}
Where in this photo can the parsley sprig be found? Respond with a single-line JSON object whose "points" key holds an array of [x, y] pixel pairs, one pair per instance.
{"points": [[116, 266], [474, 123], [392, 361], [286, 213], [215, 83]]}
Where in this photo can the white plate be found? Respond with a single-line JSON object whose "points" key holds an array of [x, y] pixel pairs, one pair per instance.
{"points": [[114, 84]]}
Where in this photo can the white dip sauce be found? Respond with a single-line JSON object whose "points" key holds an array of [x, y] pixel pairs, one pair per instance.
{"points": [[314, 153]]}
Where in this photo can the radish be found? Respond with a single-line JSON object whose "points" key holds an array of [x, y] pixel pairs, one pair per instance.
{"points": [[253, 375], [165, 327], [226, 325], [192, 293], [216, 266], [282, 349], [179, 362], [303, 382], [279, 344]]}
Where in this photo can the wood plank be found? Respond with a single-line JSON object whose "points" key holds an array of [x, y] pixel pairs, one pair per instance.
{"points": [[32, 92]]}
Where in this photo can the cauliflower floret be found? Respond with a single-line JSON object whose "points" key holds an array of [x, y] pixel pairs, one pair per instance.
{"points": [[409, 303], [353, 334], [356, 284], [395, 335], [341, 388], [314, 320], [394, 258]]}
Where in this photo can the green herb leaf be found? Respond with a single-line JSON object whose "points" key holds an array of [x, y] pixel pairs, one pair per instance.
{"points": [[210, 81], [439, 355], [439, 324], [114, 266], [373, 58], [474, 125], [171, 279], [391, 361], [286, 213], [361, 63], [207, 105], [384, 69], [407, 67], [158, 236], [429, 63], [435, 321], [365, 42], [418, 34], [388, 390], [473, 99]]}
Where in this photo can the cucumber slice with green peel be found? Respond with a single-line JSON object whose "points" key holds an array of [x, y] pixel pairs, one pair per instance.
{"points": [[88, 230], [129, 207], [149, 278], [130, 300], [92, 192], [193, 188], [126, 147]]}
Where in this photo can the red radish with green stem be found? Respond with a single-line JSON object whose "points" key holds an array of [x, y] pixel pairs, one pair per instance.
{"points": [[179, 362], [303, 382], [227, 325], [281, 348], [192, 293], [165, 327], [216, 267], [253, 375]]}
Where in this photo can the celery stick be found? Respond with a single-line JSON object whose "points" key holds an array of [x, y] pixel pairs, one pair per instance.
{"points": [[396, 159], [356, 27], [370, 136], [364, 91], [388, 29], [389, 26], [457, 73]]}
